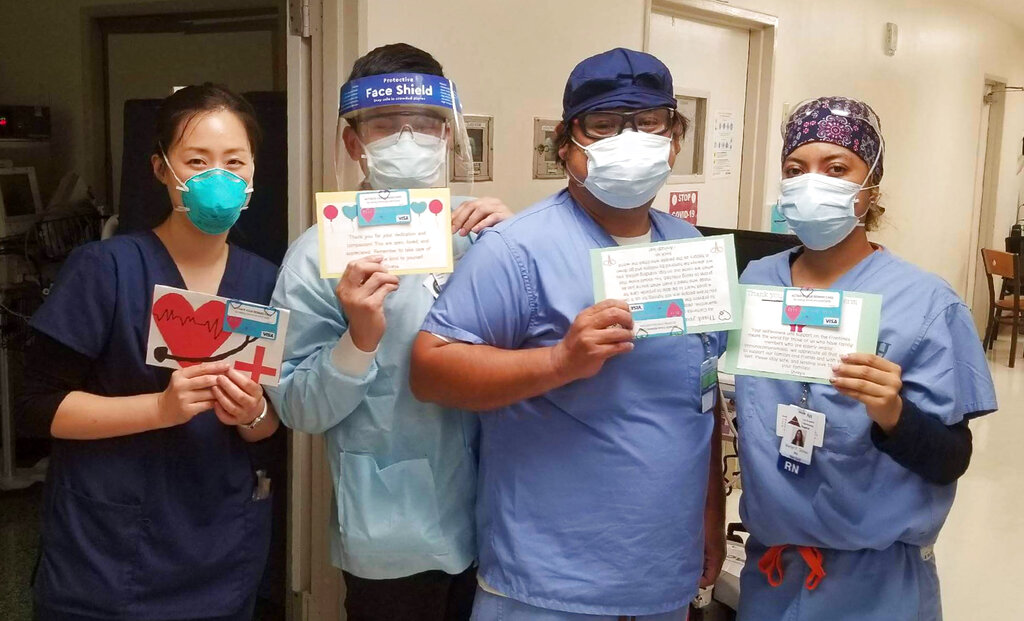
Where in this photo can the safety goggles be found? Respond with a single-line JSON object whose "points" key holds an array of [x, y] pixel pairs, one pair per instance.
{"points": [[378, 126], [605, 124]]}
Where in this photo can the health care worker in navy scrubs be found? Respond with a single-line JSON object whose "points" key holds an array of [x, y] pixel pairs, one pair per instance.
{"points": [[851, 538], [594, 497], [149, 509], [404, 471]]}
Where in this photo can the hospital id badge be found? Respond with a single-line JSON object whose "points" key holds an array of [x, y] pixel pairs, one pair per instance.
{"points": [[708, 384], [435, 282], [801, 430]]}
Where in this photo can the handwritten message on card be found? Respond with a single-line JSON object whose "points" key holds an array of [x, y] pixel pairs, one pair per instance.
{"points": [[411, 229], [767, 346], [701, 272]]}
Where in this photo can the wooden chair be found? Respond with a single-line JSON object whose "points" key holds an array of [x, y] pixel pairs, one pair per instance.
{"points": [[1008, 267]]}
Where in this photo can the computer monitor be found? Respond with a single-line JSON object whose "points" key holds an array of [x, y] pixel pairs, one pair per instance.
{"points": [[753, 245], [20, 204]]}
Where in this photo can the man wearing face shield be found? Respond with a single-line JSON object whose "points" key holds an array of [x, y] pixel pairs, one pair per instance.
{"points": [[404, 471], [600, 495]]}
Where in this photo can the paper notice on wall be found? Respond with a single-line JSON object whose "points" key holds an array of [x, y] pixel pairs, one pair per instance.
{"points": [[723, 144]]}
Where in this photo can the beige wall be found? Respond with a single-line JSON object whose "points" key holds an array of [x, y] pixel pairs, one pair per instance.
{"points": [[510, 59], [51, 56]]}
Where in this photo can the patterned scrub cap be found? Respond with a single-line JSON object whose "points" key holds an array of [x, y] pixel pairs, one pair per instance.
{"points": [[841, 121]]}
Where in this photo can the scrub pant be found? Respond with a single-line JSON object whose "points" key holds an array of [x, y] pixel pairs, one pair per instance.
{"points": [[899, 583], [490, 607], [427, 596], [42, 613]]}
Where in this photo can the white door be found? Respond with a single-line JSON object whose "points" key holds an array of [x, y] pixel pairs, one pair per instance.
{"points": [[708, 62]]}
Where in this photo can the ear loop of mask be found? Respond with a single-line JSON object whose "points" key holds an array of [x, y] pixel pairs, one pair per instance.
{"points": [[181, 186], [861, 220]]}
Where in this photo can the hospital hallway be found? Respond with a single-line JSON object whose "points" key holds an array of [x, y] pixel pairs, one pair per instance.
{"points": [[977, 547], [981, 538]]}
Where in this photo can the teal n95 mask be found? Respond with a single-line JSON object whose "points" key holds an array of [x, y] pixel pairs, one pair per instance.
{"points": [[212, 199], [627, 170]]}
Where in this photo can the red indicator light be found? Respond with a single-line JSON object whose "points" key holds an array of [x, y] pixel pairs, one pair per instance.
{"points": [[3, 121]]}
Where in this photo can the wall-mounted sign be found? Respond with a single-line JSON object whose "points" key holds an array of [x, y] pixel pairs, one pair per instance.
{"points": [[545, 164], [480, 130], [683, 205]]}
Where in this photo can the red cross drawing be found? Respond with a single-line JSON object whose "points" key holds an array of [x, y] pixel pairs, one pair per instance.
{"points": [[256, 367]]}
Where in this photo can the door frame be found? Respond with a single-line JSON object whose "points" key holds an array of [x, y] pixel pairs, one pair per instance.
{"points": [[259, 19], [757, 126], [986, 186], [324, 38]]}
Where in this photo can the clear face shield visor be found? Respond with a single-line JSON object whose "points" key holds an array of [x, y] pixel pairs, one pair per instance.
{"points": [[406, 131]]}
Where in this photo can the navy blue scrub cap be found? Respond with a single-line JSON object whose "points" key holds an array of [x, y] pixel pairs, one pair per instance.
{"points": [[618, 78]]}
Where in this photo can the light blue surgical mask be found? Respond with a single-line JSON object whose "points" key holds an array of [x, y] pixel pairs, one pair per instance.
{"points": [[820, 209], [627, 170], [212, 199]]}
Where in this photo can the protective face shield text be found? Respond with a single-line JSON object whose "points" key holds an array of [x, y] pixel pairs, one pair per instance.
{"points": [[411, 130]]}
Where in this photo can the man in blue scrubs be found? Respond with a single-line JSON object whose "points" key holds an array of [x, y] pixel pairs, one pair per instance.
{"points": [[594, 499]]}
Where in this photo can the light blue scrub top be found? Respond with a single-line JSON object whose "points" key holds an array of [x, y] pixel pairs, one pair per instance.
{"points": [[853, 496], [591, 496], [404, 471]]}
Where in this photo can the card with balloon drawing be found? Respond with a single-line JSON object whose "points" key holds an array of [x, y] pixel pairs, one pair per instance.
{"points": [[411, 229], [188, 328]]}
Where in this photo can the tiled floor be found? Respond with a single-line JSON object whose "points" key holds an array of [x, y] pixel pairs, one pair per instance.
{"points": [[19, 536], [980, 552]]}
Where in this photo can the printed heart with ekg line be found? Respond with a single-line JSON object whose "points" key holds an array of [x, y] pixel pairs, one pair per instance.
{"points": [[191, 332]]}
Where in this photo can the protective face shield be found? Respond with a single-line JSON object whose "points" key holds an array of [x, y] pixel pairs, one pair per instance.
{"points": [[411, 130]]}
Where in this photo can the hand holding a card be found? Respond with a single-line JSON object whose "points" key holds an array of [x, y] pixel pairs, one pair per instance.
{"points": [[361, 292], [598, 333], [875, 382], [189, 392]]}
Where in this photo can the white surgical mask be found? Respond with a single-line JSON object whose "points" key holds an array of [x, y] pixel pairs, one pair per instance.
{"points": [[627, 170], [405, 161]]}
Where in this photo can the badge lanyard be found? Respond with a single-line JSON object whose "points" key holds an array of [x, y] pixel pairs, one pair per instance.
{"points": [[708, 377]]}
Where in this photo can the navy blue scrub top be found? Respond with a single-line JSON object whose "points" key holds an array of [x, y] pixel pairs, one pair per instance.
{"points": [[156, 525]]}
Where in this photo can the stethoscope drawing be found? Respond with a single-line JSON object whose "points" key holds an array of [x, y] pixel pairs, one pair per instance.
{"points": [[162, 353]]}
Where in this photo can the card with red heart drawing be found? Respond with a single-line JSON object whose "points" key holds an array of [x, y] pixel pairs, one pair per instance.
{"points": [[188, 328], [411, 229]]}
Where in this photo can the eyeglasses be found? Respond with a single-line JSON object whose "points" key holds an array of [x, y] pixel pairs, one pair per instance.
{"points": [[606, 124], [379, 126]]}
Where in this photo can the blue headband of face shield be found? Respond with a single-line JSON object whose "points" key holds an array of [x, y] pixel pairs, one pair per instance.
{"points": [[399, 89]]}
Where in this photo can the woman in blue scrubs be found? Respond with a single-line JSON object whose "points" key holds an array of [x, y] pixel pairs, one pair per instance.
{"points": [[851, 539], [149, 509]]}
